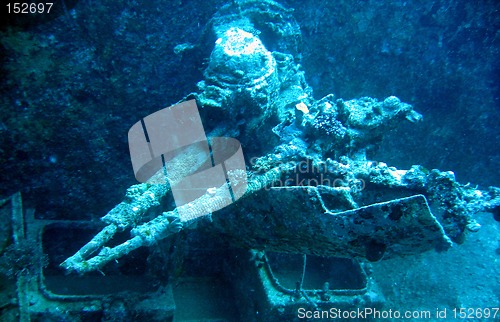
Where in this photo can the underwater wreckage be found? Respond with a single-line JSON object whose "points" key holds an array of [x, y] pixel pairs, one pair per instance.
{"points": [[312, 179], [309, 187]]}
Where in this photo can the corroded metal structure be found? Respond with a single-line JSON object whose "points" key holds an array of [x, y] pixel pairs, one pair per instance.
{"points": [[255, 90]]}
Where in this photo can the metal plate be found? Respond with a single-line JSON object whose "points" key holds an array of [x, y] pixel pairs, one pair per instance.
{"points": [[296, 220]]}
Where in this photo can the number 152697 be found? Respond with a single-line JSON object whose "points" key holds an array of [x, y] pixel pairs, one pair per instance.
{"points": [[23, 7]]}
